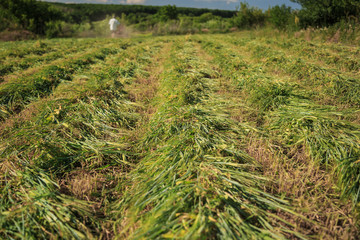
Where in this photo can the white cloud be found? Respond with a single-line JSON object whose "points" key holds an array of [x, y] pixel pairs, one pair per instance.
{"points": [[227, 1], [135, 1], [102, 1]]}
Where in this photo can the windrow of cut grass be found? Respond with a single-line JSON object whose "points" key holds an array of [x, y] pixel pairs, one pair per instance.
{"points": [[345, 61], [318, 92], [328, 140], [24, 48], [83, 49], [55, 144], [348, 50], [291, 121], [59, 49], [290, 94], [16, 94], [328, 85], [32, 207], [262, 91], [56, 164], [195, 181], [342, 63]]}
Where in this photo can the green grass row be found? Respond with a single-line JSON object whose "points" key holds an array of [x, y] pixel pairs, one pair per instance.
{"points": [[195, 181], [23, 49], [294, 120], [85, 128], [332, 85], [17, 93], [11, 65], [347, 60]]}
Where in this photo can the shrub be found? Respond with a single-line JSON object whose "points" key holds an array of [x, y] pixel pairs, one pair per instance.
{"points": [[248, 16], [280, 16]]}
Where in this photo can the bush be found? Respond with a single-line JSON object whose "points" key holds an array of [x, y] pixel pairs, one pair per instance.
{"points": [[167, 13], [280, 16], [53, 29], [249, 16], [7, 20]]}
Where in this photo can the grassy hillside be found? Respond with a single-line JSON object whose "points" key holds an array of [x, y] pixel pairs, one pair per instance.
{"points": [[231, 136]]}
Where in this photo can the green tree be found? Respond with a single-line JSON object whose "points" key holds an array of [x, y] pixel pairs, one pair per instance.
{"points": [[30, 14], [327, 12], [248, 16], [280, 16], [7, 19], [168, 13], [205, 17]]}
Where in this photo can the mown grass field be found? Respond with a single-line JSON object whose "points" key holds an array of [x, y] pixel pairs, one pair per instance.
{"points": [[179, 137]]}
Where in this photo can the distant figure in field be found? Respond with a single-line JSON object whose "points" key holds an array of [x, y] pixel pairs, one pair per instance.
{"points": [[113, 25]]}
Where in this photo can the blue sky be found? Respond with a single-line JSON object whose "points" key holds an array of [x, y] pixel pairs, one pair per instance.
{"points": [[213, 4]]}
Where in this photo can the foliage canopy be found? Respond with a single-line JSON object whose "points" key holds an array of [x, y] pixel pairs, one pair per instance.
{"points": [[327, 12], [29, 14]]}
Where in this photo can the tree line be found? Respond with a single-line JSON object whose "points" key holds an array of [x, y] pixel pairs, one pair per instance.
{"points": [[49, 19], [95, 12]]}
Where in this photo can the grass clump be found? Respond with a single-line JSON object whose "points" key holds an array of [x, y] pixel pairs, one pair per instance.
{"points": [[73, 132], [330, 83], [329, 141], [32, 206], [270, 95]]}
